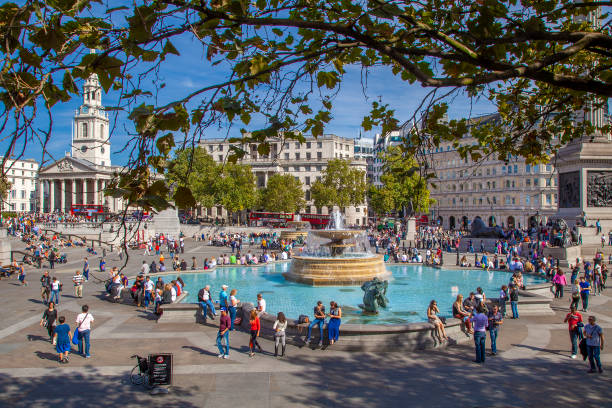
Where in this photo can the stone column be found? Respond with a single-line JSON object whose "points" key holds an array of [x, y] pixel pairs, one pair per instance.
{"points": [[41, 195], [95, 191], [63, 195], [73, 199], [85, 191], [51, 195]]}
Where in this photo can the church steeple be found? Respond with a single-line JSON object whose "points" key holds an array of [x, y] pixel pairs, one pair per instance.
{"points": [[90, 139]]}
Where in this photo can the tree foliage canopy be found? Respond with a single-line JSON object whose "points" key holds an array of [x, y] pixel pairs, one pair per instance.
{"points": [[403, 185], [538, 62], [340, 185], [283, 194], [193, 171]]}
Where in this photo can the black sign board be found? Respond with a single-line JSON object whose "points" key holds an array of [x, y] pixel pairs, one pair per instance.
{"points": [[160, 369]]}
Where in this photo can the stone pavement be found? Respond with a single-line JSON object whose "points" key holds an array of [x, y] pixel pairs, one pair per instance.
{"points": [[533, 367]]}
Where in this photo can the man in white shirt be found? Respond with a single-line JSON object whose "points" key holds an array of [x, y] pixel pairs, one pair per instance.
{"points": [[148, 288], [83, 328], [78, 284], [261, 304], [145, 268], [284, 256]]}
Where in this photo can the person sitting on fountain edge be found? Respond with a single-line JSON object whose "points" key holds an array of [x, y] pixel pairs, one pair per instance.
{"points": [[319, 319]]}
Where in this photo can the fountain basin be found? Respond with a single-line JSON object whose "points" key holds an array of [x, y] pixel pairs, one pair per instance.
{"points": [[295, 230], [326, 271]]}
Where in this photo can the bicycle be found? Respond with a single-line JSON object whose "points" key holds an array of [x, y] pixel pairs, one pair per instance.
{"points": [[142, 376]]}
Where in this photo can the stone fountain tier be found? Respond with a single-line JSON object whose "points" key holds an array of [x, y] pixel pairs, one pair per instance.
{"points": [[295, 230], [332, 271]]}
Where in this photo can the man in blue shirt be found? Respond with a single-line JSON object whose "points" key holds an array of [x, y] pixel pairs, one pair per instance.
{"points": [[223, 298], [86, 269], [480, 322], [594, 342], [585, 289]]}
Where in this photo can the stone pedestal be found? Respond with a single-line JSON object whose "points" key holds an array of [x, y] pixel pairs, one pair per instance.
{"points": [[410, 229], [585, 181], [167, 222], [5, 248]]}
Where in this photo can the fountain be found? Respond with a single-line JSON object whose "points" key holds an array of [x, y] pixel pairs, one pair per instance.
{"points": [[296, 230], [336, 256]]}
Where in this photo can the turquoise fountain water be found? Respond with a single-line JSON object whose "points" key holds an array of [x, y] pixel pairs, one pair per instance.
{"points": [[411, 288]]}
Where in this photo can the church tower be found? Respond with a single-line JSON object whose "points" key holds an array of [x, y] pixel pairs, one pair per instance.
{"points": [[90, 140]]}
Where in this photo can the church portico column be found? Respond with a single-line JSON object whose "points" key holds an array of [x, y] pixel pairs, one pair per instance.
{"points": [[95, 191], [73, 192], [51, 195], [62, 193], [41, 195], [85, 191]]}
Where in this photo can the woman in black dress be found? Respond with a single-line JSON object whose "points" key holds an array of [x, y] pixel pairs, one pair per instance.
{"points": [[48, 319]]}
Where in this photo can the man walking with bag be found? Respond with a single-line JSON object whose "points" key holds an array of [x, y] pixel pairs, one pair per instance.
{"points": [[223, 334], [83, 330], [78, 284]]}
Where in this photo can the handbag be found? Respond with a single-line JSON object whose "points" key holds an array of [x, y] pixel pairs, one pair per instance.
{"points": [[75, 336]]}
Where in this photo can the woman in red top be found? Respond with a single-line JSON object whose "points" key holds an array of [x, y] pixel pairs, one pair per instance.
{"points": [[255, 328], [574, 321]]}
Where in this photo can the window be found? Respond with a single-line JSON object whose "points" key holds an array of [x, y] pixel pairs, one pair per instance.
{"points": [[286, 156], [22, 206], [307, 180], [528, 182], [220, 157], [23, 194], [488, 172], [297, 156], [548, 199], [509, 169], [308, 155], [319, 145], [513, 200], [507, 199], [102, 163], [536, 168], [210, 148], [549, 167], [101, 131], [297, 145], [220, 148], [101, 150], [308, 145], [547, 182], [515, 168], [527, 168], [84, 131], [494, 200], [307, 195], [513, 184], [306, 168], [503, 169], [536, 182]]}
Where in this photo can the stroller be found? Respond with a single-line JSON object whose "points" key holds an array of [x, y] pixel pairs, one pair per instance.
{"points": [[62, 258]]}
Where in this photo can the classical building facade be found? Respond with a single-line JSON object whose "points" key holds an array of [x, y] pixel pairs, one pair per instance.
{"points": [[500, 193], [82, 176], [306, 161], [22, 174]]}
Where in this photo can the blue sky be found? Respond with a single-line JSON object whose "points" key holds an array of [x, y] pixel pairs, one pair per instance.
{"points": [[188, 72]]}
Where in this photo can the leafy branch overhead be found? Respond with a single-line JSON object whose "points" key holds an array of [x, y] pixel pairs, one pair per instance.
{"points": [[542, 64]]}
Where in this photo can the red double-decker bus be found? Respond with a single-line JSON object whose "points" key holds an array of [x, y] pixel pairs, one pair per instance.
{"points": [[259, 219], [88, 210], [316, 220]]}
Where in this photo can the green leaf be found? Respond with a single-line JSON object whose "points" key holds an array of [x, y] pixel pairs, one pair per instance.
{"points": [[170, 49]]}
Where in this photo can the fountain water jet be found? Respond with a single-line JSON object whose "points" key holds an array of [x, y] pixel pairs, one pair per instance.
{"points": [[336, 256]]}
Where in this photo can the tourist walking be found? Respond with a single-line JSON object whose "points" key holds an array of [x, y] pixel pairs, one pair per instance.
{"points": [[560, 282], [78, 284], [223, 334], [83, 322], [45, 287], [206, 303], [48, 319], [56, 286], [335, 319], [575, 324], [575, 294], [22, 275], [319, 320], [232, 307], [594, 342], [496, 319], [86, 269], [480, 322], [279, 327], [432, 317], [255, 326], [585, 289], [62, 340], [514, 297], [503, 298], [51, 259]]}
